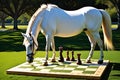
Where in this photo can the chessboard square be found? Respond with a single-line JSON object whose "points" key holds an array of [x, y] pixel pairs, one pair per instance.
{"points": [[21, 69], [45, 70], [60, 71], [36, 69], [79, 69], [88, 72], [26, 66], [72, 66], [90, 69], [36, 64], [48, 67], [58, 68], [75, 72], [61, 65], [40, 67], [69, 68], [37, 59], [51, 66], [82, 66], [93, 66]]}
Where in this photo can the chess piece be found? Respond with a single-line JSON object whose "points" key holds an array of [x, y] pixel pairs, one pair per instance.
{"points": [[79, 60], [72, 59], [61, 59], [67, 58]]}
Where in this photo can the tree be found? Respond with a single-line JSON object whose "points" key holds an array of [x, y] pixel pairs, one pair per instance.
{"points": [[116, 4], [14, 8], [2, 17]]}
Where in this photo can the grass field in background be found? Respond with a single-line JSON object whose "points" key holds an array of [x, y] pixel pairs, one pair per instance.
{"points": [[12, 52]]}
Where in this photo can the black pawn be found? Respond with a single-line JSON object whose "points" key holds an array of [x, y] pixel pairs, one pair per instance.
{"points": [[61, 59], [78, 60], [72, 59], [67, 58]]}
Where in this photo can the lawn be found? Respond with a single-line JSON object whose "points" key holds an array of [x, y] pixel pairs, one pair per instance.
{"points": [[12, 52]]}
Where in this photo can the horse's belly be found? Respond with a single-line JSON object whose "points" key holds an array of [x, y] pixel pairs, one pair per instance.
{"points": [[69, 28], [68, 33], [65, 35]]}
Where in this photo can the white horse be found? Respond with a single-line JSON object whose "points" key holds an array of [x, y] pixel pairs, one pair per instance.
{"points": [[54, 21]]}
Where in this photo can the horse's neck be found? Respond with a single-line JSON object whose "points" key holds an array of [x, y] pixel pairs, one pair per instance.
{"points": [[34, 24], [34, 30]]}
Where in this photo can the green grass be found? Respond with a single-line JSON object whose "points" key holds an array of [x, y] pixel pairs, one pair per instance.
{"points": [[11, 59], [12, 52]]}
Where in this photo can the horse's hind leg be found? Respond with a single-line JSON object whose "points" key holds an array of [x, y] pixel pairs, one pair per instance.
{"points": [[100, 44], [53, 48], [93, 43]]}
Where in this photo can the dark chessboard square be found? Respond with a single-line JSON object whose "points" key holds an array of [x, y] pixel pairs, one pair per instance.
{"points": [[88, 72], [72, 66], [81, 69], [36, 69]]}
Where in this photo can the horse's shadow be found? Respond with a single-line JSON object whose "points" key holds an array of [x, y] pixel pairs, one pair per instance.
{"points": [[111, 66]]}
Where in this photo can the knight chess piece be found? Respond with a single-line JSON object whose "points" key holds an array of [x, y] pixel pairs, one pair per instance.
{"points": [[79, 62], [61, 59], [67, 58], [72, 59]]}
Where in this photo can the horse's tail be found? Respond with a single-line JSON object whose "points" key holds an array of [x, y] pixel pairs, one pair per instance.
{"points": [[107, 31]]}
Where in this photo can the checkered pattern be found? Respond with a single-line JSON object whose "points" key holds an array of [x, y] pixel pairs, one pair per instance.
{"points": [[66, 69]]}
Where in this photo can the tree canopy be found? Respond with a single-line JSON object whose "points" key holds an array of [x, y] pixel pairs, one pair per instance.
{"points": [[15, 8]]}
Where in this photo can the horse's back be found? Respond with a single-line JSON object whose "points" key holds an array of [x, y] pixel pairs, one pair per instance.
{"points": [[69, 23]]}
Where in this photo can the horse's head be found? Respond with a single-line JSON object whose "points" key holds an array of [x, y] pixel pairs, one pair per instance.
{"points": [[30, 46]]}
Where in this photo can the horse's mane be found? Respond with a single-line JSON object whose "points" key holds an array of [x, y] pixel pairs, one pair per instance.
{"points": [[39, 10], [43, 7]]}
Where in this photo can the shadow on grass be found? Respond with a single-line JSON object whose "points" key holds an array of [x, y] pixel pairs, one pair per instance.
{"points": [[12, 41], [111, 66]]}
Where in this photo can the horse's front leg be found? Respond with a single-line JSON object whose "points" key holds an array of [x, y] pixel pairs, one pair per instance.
{"points": [[53, 48], [47, 48]]}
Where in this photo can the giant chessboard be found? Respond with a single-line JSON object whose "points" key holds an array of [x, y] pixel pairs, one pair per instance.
{"points": [[66, 69]]}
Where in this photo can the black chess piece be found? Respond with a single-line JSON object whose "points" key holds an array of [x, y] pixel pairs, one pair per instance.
{"points": [[72, 59], [67, 58], [61, 59], [79, 62]]}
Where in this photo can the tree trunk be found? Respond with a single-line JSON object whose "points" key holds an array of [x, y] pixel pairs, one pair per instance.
{"points": [[118, 21], [15, 24], [3, 22]]}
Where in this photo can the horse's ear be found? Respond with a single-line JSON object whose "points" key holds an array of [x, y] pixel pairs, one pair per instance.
{"points": [[24, 35]]}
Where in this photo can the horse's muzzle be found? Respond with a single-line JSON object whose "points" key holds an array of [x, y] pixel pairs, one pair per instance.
{"points": [[30, 58]]}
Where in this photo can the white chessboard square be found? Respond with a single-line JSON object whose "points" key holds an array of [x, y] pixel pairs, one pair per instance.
{"points": [[90, 69], [82, 66], [68, 68]]}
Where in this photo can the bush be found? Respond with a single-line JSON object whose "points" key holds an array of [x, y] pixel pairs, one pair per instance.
{"points": [[113, 14]]}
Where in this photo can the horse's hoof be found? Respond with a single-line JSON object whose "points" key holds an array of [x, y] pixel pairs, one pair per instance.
{"points": [[45, 64], [88, 61], [100, 61], [53, 60]]}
